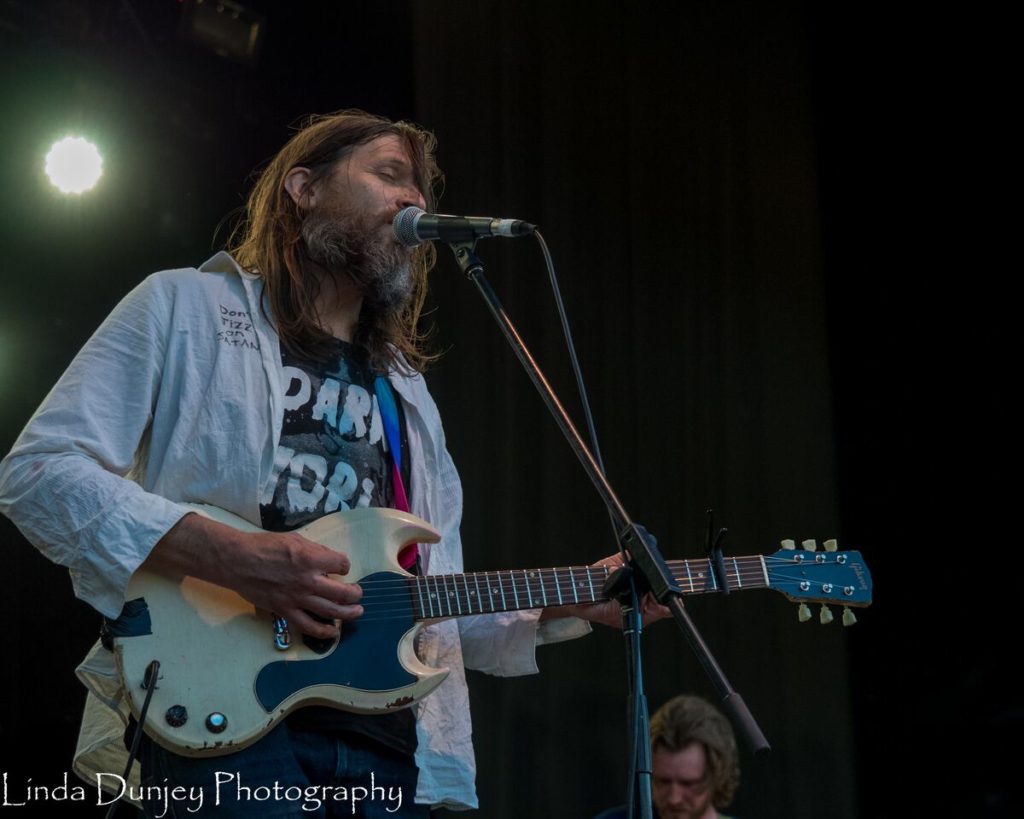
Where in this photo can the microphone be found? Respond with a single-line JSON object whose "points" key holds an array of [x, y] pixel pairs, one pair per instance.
{"points": [[414, 226]]}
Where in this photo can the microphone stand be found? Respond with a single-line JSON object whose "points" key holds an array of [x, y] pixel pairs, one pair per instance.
{"points": [[645, 566]]}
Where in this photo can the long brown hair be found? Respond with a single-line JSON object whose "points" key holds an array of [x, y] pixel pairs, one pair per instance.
{"points": [[269, 241]]}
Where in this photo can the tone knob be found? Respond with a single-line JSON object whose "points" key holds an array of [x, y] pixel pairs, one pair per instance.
{"points": [[216, 722]]}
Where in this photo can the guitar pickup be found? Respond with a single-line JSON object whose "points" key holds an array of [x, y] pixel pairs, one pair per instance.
{"points": [[319, 645]]}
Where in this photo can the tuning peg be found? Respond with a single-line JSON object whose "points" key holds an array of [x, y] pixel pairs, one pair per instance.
{"points": [[849, 618], [804, 613], [788, 544], [831, 545], [825, 616], [809, 545]]}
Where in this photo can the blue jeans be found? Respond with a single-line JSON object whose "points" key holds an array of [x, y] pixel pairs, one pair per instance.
{"points": [[288, 773]]}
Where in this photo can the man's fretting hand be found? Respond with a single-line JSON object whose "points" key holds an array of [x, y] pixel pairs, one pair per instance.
{"points": [[609, 612]]}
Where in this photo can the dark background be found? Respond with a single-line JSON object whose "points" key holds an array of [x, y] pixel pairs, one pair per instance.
{"points": [[757, 212]]}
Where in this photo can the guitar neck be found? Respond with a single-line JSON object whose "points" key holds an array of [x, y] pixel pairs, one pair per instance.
{"points": [[456, 595]]}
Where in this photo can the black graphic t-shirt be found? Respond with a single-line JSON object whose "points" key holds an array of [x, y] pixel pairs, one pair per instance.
{"points": [[333, 456], [333, 453]]}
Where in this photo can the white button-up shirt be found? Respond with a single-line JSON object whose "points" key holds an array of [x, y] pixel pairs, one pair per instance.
{"points": [[177, 398]]}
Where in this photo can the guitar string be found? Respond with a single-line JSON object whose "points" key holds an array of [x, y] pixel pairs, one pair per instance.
{"points": [[396, 597], [558, 578], [545, 587], [376, 610], [749, 566], [545, 582], [404, 604], [408, 611]]}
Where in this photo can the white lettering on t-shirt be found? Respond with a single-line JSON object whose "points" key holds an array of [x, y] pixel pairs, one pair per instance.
{"points": [[282, 458], [357, 406], [326, 406], [293, 402], [340, 487], [298, 498]]}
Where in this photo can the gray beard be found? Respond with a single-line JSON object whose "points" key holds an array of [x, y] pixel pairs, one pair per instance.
{"points": [[345, 244]]}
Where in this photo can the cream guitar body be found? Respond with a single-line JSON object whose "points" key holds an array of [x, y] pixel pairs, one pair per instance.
{"points": [[223, 683]]}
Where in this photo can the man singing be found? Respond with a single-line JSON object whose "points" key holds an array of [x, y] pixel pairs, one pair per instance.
{"points": [[280, 382]]}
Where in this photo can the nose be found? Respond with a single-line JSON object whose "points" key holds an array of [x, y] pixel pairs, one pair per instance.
{"points": [[411, 197], [677, 796]]}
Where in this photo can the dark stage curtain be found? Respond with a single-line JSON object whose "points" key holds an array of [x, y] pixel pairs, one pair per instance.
{"points": [[668, 156]]}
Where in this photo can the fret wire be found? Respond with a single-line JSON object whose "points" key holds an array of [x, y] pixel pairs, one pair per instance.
{"points": [[529, 594], [454, 594], [711, 576], [419, 595], [439, 589], [442, 595], [447, 593], [515, 591], [573, 582], [501, 586], [434, 596], [479, 598]]}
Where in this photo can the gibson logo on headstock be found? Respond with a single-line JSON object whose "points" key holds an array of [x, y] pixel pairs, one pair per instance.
{"points": [[858, 569]]}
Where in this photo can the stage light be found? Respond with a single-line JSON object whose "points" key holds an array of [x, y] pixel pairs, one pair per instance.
{"points": [[74, 165]]}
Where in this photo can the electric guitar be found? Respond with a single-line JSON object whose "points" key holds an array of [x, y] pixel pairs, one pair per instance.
{"points": [[224, 680]]}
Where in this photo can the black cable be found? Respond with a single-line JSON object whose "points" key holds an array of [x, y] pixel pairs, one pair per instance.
{"points": [[152, 672], [574, 361]]}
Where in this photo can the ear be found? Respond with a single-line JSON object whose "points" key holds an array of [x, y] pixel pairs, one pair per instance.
{"points": [[296, 182]]}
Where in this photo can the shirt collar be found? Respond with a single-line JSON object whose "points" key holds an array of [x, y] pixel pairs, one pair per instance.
{"points": [[224, 262]]}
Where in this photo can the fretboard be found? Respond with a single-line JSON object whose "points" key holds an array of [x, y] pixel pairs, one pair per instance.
{"points": [[455, 595]]}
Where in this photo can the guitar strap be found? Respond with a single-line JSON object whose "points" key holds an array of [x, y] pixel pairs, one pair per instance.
{"points": [[409, 556]]}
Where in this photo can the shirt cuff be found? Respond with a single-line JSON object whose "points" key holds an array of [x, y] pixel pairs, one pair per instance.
{"points": [[560, 629]]}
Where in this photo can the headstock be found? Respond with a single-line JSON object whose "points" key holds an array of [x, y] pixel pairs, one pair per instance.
{"points": [[829, 576]]}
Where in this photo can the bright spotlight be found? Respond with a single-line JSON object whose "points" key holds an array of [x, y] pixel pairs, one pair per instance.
{"points": [[74, 165]]}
